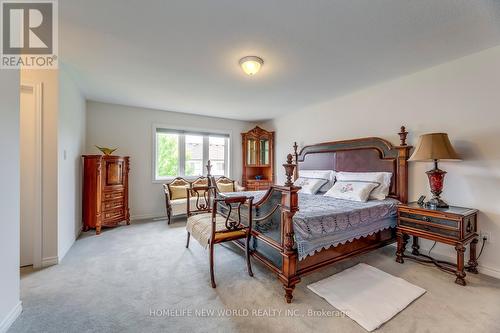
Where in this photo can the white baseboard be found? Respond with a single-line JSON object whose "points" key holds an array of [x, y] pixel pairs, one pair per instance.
{"points": [[50, 261], [7, 322], [490, 271], [149, 216]]}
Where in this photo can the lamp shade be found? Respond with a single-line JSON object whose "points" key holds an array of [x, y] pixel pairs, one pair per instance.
{"points": [[434, 146]]}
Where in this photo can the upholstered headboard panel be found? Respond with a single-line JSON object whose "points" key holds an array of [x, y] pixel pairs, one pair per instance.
{"points": [[359, 155]]}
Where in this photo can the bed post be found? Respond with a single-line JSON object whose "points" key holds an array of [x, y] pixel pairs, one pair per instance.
{"points": [[296, 159], [403, 155], [290, 205]]}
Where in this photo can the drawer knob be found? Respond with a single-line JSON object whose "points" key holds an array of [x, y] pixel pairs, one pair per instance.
{"points": [[426, 219]]}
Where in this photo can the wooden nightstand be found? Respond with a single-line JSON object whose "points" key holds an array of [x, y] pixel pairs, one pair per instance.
{"points": [[456, 226]]}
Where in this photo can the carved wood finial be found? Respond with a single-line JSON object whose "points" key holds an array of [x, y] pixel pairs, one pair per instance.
{"points": [[296, 156], [289, 167], [288, 241], [402, 135], [209, 168]]}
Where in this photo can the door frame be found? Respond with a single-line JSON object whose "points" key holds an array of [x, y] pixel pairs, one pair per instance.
{"points": [[37, 89]]}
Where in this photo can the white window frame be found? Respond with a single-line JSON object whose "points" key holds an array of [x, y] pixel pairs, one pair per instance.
{"points": [[228, 150]]}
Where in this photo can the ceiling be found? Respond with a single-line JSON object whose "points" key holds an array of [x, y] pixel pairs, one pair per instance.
{"points": [[182, 55]]}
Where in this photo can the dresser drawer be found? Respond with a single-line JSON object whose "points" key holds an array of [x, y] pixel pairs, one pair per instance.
{"points": [[449, 233], [113, 195], [258, 185], [430, 220], [113, 215], [112, 204]]}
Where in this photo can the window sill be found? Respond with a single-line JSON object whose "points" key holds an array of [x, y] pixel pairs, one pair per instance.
{"points": [[188, 178]]}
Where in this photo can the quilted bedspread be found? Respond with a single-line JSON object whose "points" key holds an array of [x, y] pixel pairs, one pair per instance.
{"points": [[322, 222]]}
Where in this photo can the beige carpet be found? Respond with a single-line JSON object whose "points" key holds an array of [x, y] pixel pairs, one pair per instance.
{"points": [[141, 278]]}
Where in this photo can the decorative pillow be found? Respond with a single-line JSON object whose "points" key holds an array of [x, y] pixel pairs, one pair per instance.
{"points": [[383, 178], [178, 192], [310, 185], [323, 174], [225, 187], [351, 190]]}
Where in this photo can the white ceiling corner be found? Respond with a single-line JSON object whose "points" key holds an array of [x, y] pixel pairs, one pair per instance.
{"points": [[183, 55]]}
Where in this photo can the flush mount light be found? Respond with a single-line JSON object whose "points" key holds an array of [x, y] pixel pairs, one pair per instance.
{"points": [[251, 64]]}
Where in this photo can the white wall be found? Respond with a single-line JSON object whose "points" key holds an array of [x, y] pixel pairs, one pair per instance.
{"points": [[460, 97], [50, 81], [10, 306], [71, 145], [130, 129]]}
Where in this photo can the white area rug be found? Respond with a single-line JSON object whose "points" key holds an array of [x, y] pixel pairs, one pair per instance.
{"points": [[367, 295]]}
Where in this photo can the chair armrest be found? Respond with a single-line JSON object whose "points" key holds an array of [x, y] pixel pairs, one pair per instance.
{"points": [[167, 192], [238, 187]]}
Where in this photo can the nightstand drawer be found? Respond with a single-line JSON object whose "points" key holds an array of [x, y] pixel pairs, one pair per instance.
{"points": [[446, 232], [430, 220]]}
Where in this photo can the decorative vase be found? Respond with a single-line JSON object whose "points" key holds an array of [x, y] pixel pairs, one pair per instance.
{"points": [[106, 151]]}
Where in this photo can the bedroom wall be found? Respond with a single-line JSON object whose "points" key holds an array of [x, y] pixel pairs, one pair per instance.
{"points": [[10, 305], [130, 129], [460, 97], [71, 137]]}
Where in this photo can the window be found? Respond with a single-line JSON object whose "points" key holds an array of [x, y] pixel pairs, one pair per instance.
{"points": [[181, 153], [194, 155]]}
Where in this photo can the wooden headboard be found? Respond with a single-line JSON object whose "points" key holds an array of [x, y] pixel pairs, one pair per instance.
{"points": [[360, 155]]}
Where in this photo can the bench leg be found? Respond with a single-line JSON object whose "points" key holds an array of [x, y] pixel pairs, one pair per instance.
{"points": [[169, 215], [212, 275], [247, 250]]}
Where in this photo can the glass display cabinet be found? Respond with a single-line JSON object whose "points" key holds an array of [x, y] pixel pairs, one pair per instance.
{"points": [[258, 159]]}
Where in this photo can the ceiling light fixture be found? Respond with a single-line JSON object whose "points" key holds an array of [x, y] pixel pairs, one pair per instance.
{"points": [[251, 64]]}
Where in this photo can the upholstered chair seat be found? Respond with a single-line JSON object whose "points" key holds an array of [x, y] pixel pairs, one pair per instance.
{"points": [[200, 227]]}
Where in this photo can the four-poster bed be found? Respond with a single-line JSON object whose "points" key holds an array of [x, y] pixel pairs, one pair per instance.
{"points": [[274, 241]]}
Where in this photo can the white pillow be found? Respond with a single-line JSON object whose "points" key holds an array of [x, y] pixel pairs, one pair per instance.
{"points": [[324, 174], [351, 190], [383, 178], [310, 185]]}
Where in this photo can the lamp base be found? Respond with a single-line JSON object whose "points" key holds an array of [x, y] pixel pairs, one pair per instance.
{"points": [[436, 182], [436, 202]]}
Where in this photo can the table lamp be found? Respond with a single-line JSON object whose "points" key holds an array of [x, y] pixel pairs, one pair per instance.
{"points": [[435, 147]]}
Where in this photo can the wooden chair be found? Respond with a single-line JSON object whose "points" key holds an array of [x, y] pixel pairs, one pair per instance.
{"points": [[221, 222]]}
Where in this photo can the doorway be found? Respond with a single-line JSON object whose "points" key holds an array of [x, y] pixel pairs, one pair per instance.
{"points": [[30, 120]]}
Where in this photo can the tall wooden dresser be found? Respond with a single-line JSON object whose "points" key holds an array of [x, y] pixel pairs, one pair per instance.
{"points": [[105, 191]]}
